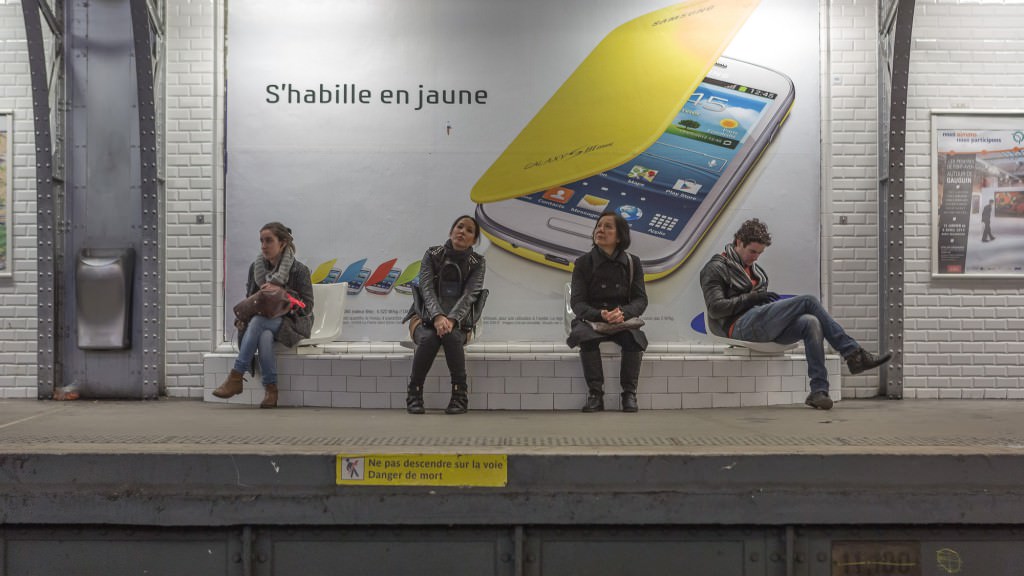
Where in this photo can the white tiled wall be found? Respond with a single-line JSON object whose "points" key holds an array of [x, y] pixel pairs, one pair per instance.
{"points": [[18, 292], [961, 338], [192, 190], [853, 257]]}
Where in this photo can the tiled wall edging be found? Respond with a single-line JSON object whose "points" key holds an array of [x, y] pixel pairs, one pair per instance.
{"points": [[526, 377]]}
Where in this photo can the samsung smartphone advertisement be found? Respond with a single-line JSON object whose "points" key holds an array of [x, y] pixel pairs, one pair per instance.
{"points": [[368, 127]]}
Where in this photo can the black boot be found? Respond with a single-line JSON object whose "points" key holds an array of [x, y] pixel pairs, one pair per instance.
{"points": [[459, 403], [593, 373], [861, 360], [629, 376], [414, 399], [819, 400]]}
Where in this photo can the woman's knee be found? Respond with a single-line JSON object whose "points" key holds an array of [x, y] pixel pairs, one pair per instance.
{"points": [[258, 323], [454, 337], [266, 340], [426, 335]]}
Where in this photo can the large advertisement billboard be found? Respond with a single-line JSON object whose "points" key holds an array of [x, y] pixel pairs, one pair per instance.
{"points": [[368, 127]]}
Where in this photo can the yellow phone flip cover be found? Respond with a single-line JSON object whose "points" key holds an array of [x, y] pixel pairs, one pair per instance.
{"points": [[618, 101]]}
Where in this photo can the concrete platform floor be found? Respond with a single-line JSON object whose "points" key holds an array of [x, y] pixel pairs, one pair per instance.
{"points": [[190, 463], [875, 426]]}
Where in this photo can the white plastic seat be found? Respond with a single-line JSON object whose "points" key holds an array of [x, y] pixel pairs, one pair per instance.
{"points": [[745, 347], [568, 315], [328, 313]]}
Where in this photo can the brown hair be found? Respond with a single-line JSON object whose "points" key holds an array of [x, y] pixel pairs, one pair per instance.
{"points": [[753, 230], [282, 232]]}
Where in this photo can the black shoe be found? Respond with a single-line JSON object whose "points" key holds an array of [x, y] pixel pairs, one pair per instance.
{"points": [[862, 360], [629, 402], [459, 404], [595, 403], [819, 400], [414, 400]]}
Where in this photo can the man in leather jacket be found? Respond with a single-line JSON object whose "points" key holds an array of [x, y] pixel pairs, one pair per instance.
{"points": [[740, 306]]}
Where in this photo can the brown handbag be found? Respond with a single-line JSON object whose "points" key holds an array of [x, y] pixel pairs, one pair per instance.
{"points": [[269, 301]]}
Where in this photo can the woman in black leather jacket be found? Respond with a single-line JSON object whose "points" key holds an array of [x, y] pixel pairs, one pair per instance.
{"points": [[608, 286], [451, 282]]}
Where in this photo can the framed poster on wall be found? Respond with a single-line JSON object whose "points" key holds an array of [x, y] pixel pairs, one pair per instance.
{"points": [[977, 193], [6, 167]]}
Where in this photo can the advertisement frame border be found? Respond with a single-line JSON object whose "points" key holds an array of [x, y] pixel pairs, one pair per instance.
{"points": [[6, 213], [961, 119]]}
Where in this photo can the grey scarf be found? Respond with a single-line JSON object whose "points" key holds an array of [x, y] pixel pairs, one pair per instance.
{"points": [[734, 260], [278, 275]]}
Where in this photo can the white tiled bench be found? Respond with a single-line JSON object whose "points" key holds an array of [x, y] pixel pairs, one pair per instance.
{"points": [[526, 376]]}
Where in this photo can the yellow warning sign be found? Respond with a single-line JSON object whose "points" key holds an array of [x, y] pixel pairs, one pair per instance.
{"points": [[422, 470]]}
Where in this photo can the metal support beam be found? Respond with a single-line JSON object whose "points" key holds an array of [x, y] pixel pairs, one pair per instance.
{"points": [[56, 28], [152, 277], [154, 18], [893, 89], [47, 229]]}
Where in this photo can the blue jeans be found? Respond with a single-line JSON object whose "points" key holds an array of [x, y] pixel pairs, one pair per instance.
{"points": [[794, 319], [259, 336]]}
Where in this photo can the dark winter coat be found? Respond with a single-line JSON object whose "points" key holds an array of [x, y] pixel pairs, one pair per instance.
{"points": [[602, 282], [297, 324]]}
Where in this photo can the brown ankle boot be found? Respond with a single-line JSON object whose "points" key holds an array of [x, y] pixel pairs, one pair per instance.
{"points": [[270, 397], [232, 385]]}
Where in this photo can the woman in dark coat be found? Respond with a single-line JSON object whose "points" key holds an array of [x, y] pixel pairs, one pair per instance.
{"points": [[451, 282], [608, 286], [276, 264]]}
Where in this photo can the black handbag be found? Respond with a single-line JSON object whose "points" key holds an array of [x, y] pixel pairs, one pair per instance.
{"points": [[609, 328]]}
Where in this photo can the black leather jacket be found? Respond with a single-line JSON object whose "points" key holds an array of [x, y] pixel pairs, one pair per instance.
{"points": [[728, 292], [467, 272]]}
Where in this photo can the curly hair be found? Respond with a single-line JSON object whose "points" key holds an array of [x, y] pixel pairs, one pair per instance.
{"points": [[753, 230]]}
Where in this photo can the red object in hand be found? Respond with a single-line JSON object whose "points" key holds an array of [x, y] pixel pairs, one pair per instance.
{"points": [[296, 303]]}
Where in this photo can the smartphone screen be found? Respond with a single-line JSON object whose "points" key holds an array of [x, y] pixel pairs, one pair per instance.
{"points": [[384, 286], [355, 285], [672, 191], [660, 190]]}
